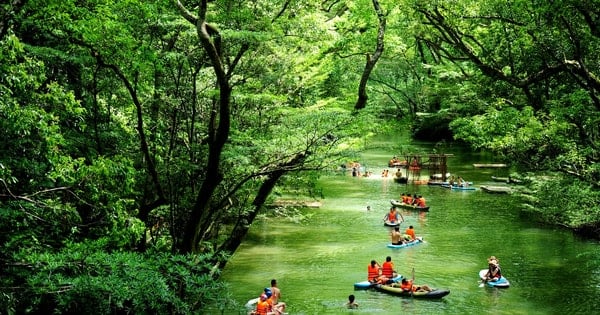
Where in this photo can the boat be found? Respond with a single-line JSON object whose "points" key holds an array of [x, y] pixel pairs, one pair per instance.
{"points": [[397, 163], [457, 187], [252, 303], [418, 241], [500, 283], [489, 165], [366, 284], [496, 189], [389, 223], [434, 294], [439, 176], [400, 204], [508, 179], [401, 180]]}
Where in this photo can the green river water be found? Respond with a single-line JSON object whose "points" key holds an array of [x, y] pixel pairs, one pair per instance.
{"points": [[317, 260]]}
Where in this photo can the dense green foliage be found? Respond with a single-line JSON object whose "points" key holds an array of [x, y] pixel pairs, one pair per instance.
{"points": [[142, 139]]}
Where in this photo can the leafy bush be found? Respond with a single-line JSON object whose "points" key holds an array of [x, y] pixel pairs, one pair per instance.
{"points": [[83, 279]]}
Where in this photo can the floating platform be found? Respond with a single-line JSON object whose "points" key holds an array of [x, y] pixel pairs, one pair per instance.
{"points": [[489, 165]]}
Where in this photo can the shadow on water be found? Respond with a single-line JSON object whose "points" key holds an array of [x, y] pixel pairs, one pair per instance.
{"points": [[317, 261]]}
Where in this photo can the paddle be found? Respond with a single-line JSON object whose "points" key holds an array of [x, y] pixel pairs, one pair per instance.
{"points": [[413, 282]]}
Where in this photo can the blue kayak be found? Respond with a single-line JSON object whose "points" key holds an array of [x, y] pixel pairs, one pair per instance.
{"points": [[500, 283], [366, 284], [418, 241]]}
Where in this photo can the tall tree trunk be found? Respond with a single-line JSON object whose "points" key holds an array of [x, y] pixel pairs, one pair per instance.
{"points": [[361, 102], [218, 132]]}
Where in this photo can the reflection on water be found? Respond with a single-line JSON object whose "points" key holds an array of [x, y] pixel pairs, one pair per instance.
{"points": [[317, 261]]}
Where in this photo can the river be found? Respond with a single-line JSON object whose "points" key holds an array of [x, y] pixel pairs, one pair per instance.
{"points": [[317, 260]]}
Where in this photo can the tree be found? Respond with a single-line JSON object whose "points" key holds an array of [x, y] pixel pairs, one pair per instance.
{"points": [[371, 59]]}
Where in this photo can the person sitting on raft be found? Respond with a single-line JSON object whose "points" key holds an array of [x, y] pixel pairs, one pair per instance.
{"points": [[263, 306], [407, 286], [420, 202], [373, 271], [392, 216], [494, 273], [396, 236], [387, 269], [409, 234], [408, 199]]}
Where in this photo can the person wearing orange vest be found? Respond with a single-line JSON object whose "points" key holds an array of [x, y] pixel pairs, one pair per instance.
{"points": [[263, 306], [407, 286], [373, 271], [411, 233], [409, 199], [387, 269], [421, 202], [392, 216]]}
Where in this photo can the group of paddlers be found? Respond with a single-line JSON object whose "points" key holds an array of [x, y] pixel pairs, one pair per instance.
{"points": [[385, 274], [268, 302], [415, 200]]}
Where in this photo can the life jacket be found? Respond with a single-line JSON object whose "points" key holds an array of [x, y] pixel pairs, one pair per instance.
{"points": [[373, 272], [421, 202], [498, 274], [387, 269], [410, 232], [409, 200], [263, 307], [393, 216], [406, 286]]}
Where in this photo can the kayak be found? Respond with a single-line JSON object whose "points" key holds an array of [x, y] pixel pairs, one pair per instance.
{"points": [[500, 283], [252, 303], [400, 204], [366, 284], [496, 189], [418, 241], [435, 294], [456, 187]]}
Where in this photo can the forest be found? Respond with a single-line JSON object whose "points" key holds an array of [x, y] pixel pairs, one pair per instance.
{"points": [[141, 139]]}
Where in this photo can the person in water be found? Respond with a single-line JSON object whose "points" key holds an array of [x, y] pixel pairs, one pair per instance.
{"points": [[494, 273], [351, 303], [396, 236]]}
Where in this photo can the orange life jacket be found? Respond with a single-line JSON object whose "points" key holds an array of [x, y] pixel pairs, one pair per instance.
{"points": [[393, 216], [406, 286], [263, 307], [411, 233], [373, 272], [387, 269]]}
